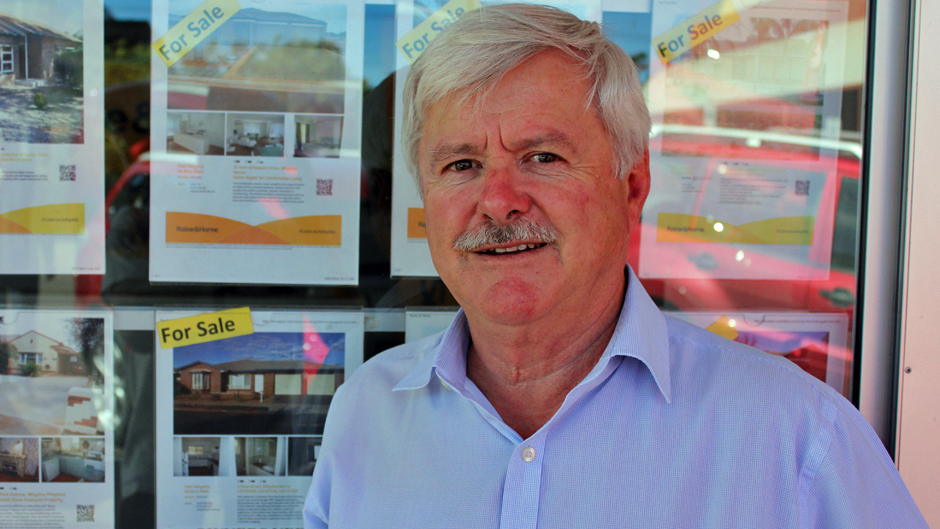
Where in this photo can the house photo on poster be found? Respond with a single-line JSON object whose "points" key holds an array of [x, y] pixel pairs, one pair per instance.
{"points": [[269, 57], [50, 366], [254, 384], [769, 76], [766, 67], [42, 72]]}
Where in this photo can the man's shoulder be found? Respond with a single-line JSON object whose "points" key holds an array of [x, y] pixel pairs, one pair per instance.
{"points": [[714, 365]]}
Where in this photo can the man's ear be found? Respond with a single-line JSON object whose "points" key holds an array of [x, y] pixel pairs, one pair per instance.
{"points": [[638, 188]]}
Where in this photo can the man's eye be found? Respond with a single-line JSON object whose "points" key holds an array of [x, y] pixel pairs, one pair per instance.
{"points": [[462, 165], [545, 157]]}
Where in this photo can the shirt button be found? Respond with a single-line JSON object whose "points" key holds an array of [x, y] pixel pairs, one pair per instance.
{"points": [[528, 454]]}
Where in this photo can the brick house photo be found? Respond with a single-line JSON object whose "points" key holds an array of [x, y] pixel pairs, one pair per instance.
{"points": [[42, 78], [28, 50], [52, 356], [265, 377], [51, 384], [261, 383]]}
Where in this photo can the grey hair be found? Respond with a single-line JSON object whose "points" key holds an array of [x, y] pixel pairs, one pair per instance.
{"points": [[474, 53]]}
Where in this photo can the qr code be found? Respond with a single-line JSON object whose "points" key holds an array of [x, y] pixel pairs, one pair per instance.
{"points": [[325, 187], [66, 173], [802, 188], [86, 513]]}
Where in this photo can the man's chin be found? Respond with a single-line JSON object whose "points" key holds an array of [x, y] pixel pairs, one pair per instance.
{"points": [[506, 303]]}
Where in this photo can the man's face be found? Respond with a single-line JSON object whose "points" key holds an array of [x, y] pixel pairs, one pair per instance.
{"points": [[533, 153]]}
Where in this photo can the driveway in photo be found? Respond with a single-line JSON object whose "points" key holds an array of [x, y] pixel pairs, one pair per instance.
{"points": [[40, 400]]}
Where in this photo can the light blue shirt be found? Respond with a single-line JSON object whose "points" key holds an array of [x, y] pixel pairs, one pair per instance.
{"points": [[674, 427]]}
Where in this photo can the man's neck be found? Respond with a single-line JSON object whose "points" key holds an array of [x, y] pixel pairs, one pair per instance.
{"points": [[526, 372]]}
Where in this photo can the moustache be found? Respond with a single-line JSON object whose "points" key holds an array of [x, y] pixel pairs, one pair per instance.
{"points": [[487, 234]]}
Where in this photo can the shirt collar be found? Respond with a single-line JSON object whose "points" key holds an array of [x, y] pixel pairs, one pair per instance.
{"points": [[640, 333], [447, 357]]}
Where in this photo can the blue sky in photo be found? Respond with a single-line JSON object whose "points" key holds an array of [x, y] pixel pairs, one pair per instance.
{"points": [[379, 47], [631, 31], [260, 346], [135, 10], [379, 52], [63, 15], [333, 14]]}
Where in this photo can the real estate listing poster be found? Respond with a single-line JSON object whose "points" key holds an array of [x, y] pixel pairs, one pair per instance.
{"points": [[56, 431], [255, 138], [816, 342], [240, 420], [745, 149], [51, 137], [418, 22]]}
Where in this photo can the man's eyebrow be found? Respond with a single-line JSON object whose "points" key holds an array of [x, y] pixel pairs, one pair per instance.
{"points": [[447, 150]]}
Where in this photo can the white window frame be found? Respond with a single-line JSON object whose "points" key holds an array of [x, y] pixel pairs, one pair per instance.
{"points": [[36, 358], [202, 377], [244, 379], [6, 59]]}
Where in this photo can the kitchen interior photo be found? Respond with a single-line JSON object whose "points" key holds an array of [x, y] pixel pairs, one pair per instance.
{"points": [[195, 132], [197, 456], [72, 459], [260, 456]]}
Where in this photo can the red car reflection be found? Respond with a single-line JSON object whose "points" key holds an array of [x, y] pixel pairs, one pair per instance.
{"points": [[693, 288]]}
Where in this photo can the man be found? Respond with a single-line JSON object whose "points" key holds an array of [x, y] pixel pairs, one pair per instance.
{"points": [[561, 396]]}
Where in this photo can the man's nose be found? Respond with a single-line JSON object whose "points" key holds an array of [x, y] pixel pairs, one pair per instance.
{"points": [[503, 195]]}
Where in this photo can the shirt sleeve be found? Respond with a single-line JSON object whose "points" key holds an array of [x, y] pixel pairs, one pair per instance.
{"points": [[856, 484], [317, 504]]}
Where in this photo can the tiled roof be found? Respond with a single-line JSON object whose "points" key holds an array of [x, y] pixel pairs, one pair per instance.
{"points": [[10, 25], [270, 366], [64, 349], [258, 15], [250, 14]]}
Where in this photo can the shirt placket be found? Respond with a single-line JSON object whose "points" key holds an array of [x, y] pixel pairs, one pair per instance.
{"points": [[520, 507]]}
